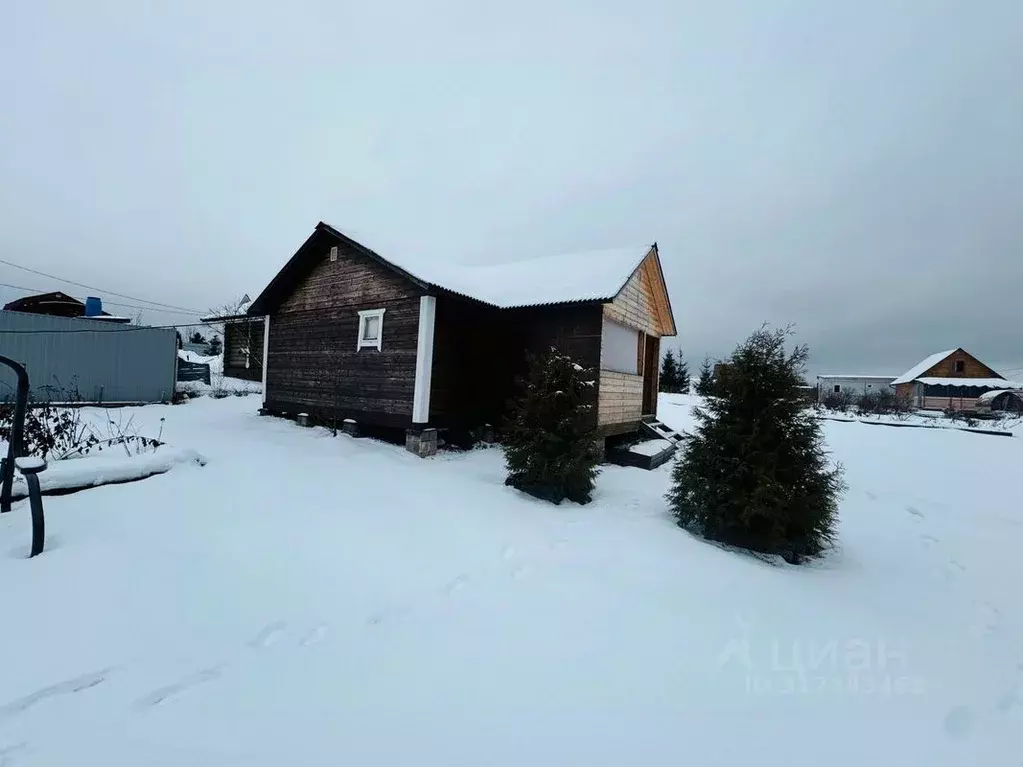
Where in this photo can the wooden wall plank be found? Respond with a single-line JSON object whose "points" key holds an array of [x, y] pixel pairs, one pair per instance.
{"points": [[313, 360]]}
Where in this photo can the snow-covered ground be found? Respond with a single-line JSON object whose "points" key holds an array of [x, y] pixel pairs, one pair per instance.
{"points": [[1009, 423], [305, 599]]}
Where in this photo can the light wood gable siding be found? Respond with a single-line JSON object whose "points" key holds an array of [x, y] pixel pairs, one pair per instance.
{"points": [[972, 367], [639, 305], [635, 306]]}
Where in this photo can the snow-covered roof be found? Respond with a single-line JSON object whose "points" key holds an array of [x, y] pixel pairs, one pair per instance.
{"points": [[596, 275], [984, 382], [591, 275], [527, 281], [922, 367]]}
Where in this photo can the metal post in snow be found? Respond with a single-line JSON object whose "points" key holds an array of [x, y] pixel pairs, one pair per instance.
{"points": [[15, 446]]}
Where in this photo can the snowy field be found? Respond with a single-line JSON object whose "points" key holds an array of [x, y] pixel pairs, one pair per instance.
{"points": [[311, 600]]}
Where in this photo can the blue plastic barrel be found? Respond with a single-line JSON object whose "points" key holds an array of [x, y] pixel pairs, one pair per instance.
{"points": [[93, 306]]}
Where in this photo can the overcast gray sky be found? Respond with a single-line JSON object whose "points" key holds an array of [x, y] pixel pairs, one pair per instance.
{"points": [[853, 167]]}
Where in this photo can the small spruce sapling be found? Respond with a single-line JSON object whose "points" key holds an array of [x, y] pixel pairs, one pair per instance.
{"points": [[755, 473], [550, 447]]}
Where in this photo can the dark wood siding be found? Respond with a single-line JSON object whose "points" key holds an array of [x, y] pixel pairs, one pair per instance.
{"points": [[479, 351], [572, 328], [243, 350], [471, 371], [314, 365]]}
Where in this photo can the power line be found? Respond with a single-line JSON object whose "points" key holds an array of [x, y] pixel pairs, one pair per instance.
{"points": [[105, 302], [101, 290]]}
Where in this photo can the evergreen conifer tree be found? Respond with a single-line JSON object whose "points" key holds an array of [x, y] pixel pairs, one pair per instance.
{"points": [[684, 380], [669, 378], [755, 473], [705, 383], [550, 447]]}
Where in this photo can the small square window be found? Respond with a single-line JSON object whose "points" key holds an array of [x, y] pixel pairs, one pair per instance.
{"points": [[960, 366], [838, 388], [870, 386], [371, 329]]}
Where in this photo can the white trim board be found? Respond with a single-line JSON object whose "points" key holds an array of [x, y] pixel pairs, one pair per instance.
{"points": [[424, 360], [266, 352]]}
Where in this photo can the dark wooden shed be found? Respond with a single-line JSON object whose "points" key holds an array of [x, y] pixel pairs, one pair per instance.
{"points": [[351, 334], [57, 304]]}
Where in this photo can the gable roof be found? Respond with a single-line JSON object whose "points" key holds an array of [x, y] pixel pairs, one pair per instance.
{"points": [[56, 298], [66, 306], [596, 275], [923, 366], [570, 278]]}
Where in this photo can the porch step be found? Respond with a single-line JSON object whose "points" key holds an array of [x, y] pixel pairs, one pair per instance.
{"points": [[660, 430], [646, 454]]}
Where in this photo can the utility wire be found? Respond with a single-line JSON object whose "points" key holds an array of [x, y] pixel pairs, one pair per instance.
{"points": [[101, 290], [105, 303]]}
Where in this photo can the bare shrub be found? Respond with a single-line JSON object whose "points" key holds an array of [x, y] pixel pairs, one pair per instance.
{"points": [[840, 401]]}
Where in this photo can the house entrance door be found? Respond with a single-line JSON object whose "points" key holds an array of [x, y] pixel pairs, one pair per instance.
{"points": [[651, 362]]}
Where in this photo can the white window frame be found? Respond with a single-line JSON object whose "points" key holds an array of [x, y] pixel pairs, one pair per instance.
{"points": [[364, 316], [635, 337]]}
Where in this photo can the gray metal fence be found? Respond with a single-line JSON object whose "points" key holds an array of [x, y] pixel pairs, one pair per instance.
{"points": [[102, 362]]}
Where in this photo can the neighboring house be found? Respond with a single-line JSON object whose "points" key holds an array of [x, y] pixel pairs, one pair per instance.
{"points": [[59, 304], [853, 385], [243, 343], [949, 380], [355, 335]]}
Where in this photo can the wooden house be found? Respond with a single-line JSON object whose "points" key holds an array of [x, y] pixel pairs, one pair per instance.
{"points": [[243, 342], [57, 304], [949, 380], [352, 334]]}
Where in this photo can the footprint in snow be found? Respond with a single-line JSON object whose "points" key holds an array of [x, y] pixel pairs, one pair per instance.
{"points": [[382, 616], [521, 571], [456, 584], [7, 753], [929, 540], [958, 722], [317, 635], [508, 552], [870, 495], [1011, 703], [915, 511], [988, 623], [162, 694], [268, 635], [67, 687], [957, 565]]}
